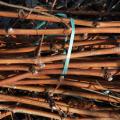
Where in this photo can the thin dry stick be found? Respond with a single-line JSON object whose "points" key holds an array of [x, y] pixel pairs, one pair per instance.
{"points": [[59, 31], [24, 8], [46, 18], [115, 50], [89, 95], [30, 111], [88, 85], [4, 115], [53, 5], [63, 107], [39, 47], [78, 65], [64, 20]]}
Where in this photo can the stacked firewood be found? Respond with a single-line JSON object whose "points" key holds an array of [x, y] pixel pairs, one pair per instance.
{"points": [[34, 45]]}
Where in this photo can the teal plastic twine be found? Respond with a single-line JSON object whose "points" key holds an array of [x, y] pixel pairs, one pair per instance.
{"points": [[40, 24], [67, 61]]}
